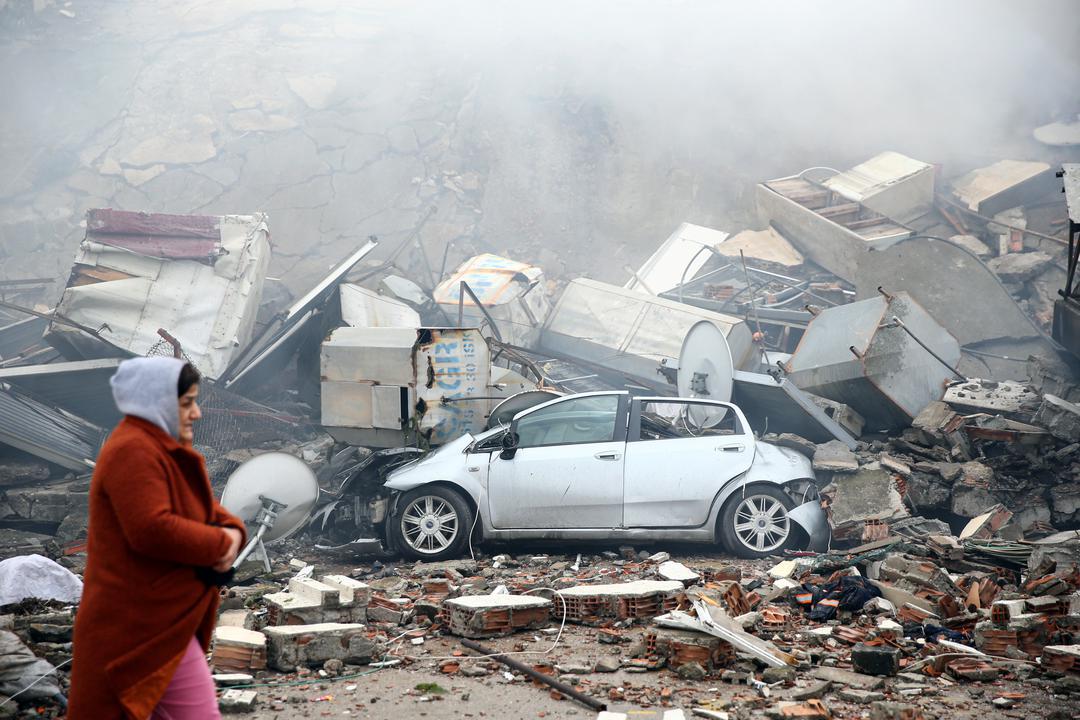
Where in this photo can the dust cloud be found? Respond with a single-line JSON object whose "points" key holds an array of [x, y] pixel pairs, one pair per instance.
{"points": [[576, 135]]}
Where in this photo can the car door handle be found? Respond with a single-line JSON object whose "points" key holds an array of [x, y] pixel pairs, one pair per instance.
{"points": [[731, 448], [607, 456]]}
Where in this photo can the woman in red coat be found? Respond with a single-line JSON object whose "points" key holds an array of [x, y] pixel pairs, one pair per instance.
{"points": [[158, 545]]}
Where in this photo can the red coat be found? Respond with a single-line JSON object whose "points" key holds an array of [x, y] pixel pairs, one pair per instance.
{"points": [[151, 515]]}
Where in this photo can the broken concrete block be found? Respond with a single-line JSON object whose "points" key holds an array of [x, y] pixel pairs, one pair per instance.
{"points": [[929, 490], [971, 502], [860, 697], [875, 659], [314, 591], [843, 414], [237, 618], [590, 604], [940, 425], [869, 494], [848, 678], [1060, 417], [309, 602], [972, 244], [1011, 399], [484, 616], [984, 526], [783, 569], [235, 649], [796, 442], [1020, 267], [23, 472], [834, 456], [350, 591], [885, 710], [237, 701], [678, 572], [291, 646]]}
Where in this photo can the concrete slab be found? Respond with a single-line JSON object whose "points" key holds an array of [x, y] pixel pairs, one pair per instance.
{"points": [[290, 646]]}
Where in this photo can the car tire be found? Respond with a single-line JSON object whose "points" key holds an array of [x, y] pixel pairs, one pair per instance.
{"points": [[431, 523], [754, 522]]}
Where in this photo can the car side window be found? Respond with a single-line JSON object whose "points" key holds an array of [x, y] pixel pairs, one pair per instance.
{"points": [[681, 419], [578, 420]]}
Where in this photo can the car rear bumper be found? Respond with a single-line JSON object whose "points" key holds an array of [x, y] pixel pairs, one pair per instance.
{"points": [[811, 518]]}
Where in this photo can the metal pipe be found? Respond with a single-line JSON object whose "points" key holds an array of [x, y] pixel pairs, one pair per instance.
{"points": [[1025, 231], [590, 702], [53, 317], [791, 284], [476, 301]]}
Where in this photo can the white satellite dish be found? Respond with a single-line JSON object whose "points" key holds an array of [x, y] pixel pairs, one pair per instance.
{"points": [[706, 371], [274, 493]]}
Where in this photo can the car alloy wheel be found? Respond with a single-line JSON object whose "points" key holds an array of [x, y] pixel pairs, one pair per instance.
{"points": [[761, 523], [429, 524]]}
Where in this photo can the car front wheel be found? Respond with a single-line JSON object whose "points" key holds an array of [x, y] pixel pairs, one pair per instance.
{"points": [[431, 523], [755, 522]]}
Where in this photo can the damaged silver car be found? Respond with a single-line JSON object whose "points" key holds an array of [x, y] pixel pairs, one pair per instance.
{"points": [[609, 466]]}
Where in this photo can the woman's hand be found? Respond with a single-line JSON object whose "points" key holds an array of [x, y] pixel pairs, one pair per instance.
{"points": [[229, 557]]}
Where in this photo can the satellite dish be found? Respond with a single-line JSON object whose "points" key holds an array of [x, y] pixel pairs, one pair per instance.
{"points": [[706, 371], [273, 491]]}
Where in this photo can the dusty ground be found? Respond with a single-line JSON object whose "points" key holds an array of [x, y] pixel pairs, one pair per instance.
{"points": [[389, 692]]}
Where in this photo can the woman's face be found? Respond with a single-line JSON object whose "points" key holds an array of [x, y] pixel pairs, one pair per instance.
{"points": [[189, 413]]}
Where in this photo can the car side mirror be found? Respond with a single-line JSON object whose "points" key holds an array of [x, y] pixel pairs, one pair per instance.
{"points": [[510, 445]]}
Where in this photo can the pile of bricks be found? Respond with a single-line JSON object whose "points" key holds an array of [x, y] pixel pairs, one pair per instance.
{"points": [[485, 616], [679, 647], [334, 599], [235, 649], [639, 600]]}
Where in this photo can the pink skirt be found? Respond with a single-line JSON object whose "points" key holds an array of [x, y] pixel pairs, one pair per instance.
{"points": [[191, 694]]}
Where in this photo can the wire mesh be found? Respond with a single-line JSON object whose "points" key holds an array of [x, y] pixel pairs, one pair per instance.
{"points": [[231, 422]]}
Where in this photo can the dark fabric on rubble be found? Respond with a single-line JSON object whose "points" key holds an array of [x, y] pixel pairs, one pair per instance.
{"points": [[848, 593], [933, 633]]}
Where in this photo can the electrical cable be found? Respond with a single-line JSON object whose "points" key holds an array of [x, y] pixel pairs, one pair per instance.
{"points": [[45, 675], [554, 644], [293, 683]]}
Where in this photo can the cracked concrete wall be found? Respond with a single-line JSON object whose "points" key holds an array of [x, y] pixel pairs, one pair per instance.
{"points": [[570, 136]]}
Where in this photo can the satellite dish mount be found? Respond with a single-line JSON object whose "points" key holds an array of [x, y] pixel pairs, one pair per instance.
{"points": [[274, 494], [265, 521]]}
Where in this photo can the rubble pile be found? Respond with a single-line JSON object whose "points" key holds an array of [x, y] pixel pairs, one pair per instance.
{"points": [[896, 627]]}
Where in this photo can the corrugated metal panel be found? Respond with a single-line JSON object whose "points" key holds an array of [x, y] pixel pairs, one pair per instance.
{"points": [[176, 237], [21, 337], [48, 433], [81, 387]]}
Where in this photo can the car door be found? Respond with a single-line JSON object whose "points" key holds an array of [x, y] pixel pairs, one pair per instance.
{"points": [[567, 471], [679, 453]]}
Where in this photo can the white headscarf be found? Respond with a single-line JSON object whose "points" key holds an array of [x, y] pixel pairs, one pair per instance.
{"points": [[146, 387]]}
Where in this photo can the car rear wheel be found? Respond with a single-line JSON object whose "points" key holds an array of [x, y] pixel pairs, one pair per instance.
{"points": [[431, 523], [755, 522]]}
